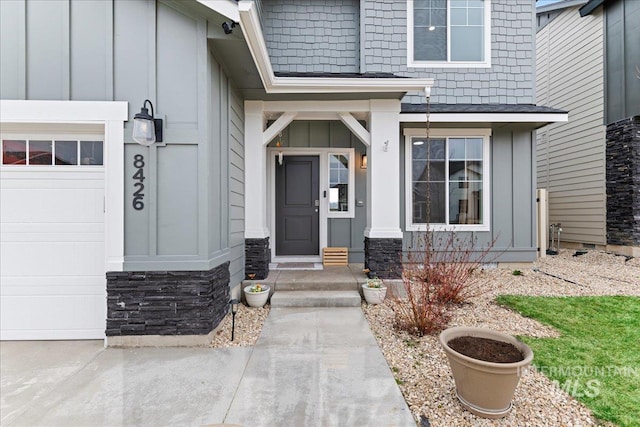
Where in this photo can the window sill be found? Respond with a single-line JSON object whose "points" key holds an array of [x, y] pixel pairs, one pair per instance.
{"points": [[341, 215], [426, 64], [444, 227]]}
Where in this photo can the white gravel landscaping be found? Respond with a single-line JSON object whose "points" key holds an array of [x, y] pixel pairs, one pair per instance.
{"points": [[421, 368], [249, 321]]}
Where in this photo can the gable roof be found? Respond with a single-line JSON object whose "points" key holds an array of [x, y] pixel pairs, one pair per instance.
{"points": [[479, 108], [338, 75], [592, 5], [528, 115], [559, 5]]}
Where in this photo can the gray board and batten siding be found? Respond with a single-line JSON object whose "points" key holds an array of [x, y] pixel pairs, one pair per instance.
{"points": [[571, 156], [513, 204], [622, 47], [512, 181], [193, 216], [378, 43], [341, 232]]}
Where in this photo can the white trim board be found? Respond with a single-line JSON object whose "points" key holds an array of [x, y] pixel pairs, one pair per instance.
{"points": [[111, 115], [323, 179]]}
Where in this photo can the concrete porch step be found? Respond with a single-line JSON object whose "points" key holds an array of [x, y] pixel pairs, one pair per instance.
{"points": [[315, 299], [319, 285]]}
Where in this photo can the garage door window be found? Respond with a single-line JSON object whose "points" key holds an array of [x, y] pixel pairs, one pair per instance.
{"points": [[53, 153]]}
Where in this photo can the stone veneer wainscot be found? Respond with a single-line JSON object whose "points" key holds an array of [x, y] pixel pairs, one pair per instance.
{"points": [[383, 257], [623, 182], [166, 302], [257, 256]]}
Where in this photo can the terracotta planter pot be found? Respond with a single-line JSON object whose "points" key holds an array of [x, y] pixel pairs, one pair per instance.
{"points": [[256, 299], [485, 388], [374, 295]]}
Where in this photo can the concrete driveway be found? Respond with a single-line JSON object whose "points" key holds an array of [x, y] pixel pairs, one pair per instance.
{"points": [[310, 367], [79, 383]]}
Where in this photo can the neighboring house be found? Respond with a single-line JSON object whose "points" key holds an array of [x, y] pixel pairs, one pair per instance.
{"points": [[267, 124], [587, 55]]}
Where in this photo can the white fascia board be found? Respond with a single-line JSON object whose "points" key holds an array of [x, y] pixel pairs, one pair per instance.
{"points": [[19, 111], [485, 117], [346, 85], [250, 24], [228, 8]]}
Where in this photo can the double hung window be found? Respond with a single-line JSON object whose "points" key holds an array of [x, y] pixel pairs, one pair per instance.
{"points": [[445, 33], [447, 179]]}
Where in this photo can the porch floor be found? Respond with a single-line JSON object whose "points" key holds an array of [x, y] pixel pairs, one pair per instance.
{"points": [[330, 278], [332, 286]]}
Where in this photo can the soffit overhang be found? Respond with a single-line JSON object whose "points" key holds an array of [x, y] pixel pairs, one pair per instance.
{"points": [[349, 85]]}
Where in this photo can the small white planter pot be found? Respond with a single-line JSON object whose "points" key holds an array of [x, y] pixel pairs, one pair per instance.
{"points": [[374, 295], [256, 299]]}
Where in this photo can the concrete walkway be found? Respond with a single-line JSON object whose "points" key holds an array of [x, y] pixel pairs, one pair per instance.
{"points": [[318, 367], [310, 367]]}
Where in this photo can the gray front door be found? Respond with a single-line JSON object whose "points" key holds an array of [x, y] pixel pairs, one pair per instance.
{"points": [[297, 210]]}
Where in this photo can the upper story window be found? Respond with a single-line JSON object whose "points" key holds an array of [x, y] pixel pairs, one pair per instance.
{"points": [[449, 33]]}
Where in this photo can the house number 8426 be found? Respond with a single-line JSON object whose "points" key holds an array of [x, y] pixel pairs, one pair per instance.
{"points": [[138, 177]]}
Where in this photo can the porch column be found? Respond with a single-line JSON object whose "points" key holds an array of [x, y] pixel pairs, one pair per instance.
{"points": [[383, 236], [256, 232]]}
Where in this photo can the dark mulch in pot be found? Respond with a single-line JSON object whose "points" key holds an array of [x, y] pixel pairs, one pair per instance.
{"points": [[486, 349]]}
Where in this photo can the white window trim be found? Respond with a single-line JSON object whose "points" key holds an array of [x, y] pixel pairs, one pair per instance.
{"points": [[351, 195], [485, 134], [58, 137], [412, 63]]}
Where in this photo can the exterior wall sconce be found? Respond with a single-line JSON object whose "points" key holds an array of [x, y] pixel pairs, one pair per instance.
{"points": [[146, 129], [363, 161]]}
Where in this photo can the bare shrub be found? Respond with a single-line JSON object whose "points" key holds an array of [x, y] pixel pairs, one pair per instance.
{"points": [[435, 277]]}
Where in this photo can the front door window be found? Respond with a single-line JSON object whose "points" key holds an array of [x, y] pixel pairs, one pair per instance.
{"points": [[341, 185], [338, 183]]}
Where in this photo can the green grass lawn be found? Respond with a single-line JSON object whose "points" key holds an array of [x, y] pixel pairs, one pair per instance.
{"points": [[597, 358]]}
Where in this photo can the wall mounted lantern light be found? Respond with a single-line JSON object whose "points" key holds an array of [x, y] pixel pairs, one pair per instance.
{"points": [[146, 129], [363, 161]]}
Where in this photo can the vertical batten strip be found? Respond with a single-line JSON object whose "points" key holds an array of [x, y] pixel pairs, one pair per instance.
{"points": [[65, 89], [22, 53], [203, 139], [109, 53], [153, 150]]}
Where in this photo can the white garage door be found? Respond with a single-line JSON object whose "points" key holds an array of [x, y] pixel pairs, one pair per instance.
{"points": [[52, 260]]}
